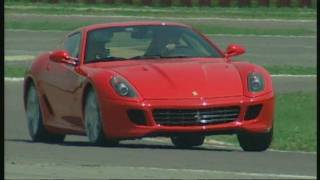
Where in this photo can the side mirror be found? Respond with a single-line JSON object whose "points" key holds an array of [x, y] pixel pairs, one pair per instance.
{"points": [[234, 50], [63, 56]]}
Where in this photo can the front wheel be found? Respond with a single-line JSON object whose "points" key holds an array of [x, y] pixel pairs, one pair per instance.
{"points": [[255, 141], [93, 123], [185, 141], [36, 128]]}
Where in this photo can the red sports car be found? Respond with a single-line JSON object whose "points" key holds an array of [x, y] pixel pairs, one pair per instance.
{"points": [[130, 80]]}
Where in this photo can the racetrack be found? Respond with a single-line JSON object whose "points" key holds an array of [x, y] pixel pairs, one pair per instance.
{"points": [[148, 158], [153, 158], [299, 51]]}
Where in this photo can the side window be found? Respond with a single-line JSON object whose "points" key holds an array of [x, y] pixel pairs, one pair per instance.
{"points": [[72, 44]]}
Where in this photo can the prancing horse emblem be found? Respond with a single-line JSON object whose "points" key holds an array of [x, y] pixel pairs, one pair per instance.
{"points": [[198, 116], [194, 93]]}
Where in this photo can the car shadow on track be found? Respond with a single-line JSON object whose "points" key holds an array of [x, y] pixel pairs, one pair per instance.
{"points": [[142, 145]]}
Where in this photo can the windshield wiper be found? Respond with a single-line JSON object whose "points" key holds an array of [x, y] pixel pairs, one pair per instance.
{"points": [[144, 57], [177, 56], [111, 58], [164, 57], [182, 56], [158, 57]]}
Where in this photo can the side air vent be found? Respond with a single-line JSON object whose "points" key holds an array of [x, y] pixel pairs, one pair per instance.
{"points": [[137, 116], [253, 112]]}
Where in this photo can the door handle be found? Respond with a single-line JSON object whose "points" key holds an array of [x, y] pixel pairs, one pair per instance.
{"points": [[48, 67]]}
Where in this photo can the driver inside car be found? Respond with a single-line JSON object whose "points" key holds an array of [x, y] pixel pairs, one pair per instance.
{"points": [[163, 43], [97, 45]]}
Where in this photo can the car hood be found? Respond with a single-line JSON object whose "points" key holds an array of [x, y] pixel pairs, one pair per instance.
{"points": [[179, 79]]}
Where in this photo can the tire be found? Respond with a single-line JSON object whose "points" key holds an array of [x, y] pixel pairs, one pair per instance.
{"points": [[186, 141], [255, 141], [93, 123], [36, 128]]}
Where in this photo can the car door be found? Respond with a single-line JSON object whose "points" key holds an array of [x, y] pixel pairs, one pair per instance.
{"points": [[62, 86]]}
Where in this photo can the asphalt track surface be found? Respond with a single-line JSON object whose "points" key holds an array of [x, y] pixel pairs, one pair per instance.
{"points": [[225, 22], [149, 158], [299, 51], [146, 158]]}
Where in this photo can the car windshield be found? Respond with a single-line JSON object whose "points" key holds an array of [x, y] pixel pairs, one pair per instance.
{"points": [[146, 42]]}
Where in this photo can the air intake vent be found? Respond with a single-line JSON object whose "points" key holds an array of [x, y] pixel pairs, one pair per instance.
{"points": [[137, 117], [253, 112]]}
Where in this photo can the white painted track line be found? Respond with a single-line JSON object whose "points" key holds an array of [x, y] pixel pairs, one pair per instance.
{"points": [[28, 30], [104, 171], [293, 75], [13, 79], [262, 36], [222, 144], [265, 175]]}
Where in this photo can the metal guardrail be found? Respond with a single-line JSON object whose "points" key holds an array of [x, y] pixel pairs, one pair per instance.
{"points": [[221, 3]]}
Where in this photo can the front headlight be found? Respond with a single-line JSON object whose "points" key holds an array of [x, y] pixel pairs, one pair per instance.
{"points": [[255, 82], [123, 87]]}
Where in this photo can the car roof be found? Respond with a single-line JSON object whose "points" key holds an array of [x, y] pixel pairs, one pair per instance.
{"points": [[131, 23], [124, 24]]}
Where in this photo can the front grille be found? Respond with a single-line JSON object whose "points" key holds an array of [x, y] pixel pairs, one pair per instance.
{"points": [[186, 117]]}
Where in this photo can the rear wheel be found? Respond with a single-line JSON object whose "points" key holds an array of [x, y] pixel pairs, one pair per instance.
{"points": [[93, 123], [255, 141], [36, 128], [185, 141]]}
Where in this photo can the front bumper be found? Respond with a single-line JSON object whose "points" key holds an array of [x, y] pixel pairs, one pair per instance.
{"points": [[117, 124]]}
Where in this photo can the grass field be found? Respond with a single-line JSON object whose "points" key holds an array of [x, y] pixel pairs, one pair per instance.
{"points": [[14, 71], [120, 12], [158, 11], [205, 28], [295, 125], [159, 3]]}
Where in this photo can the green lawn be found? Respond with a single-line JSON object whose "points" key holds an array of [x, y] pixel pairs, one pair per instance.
{"points": [[288, 69], [295, 126], [158, 11], [205, 28], [119, 11], [14, 71]]}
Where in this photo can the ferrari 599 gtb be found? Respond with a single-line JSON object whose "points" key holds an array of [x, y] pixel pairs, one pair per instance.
{"points": [[130, 80]]}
